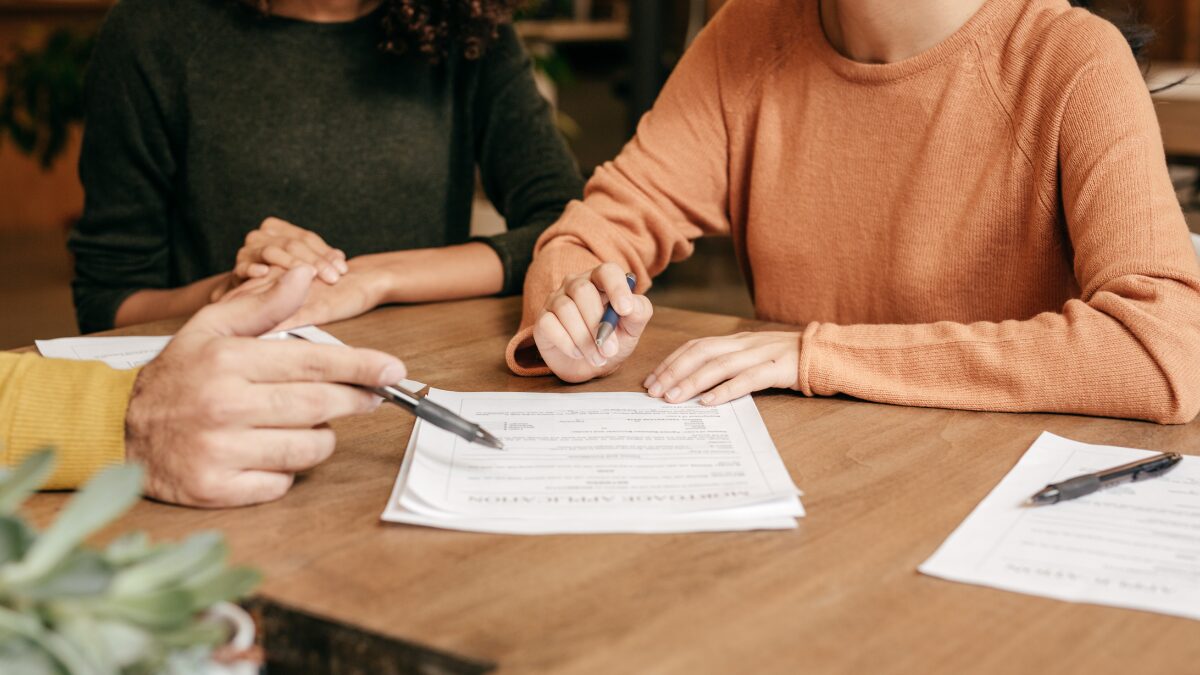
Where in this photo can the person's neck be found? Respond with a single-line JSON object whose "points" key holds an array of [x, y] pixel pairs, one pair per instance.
{"points": [[886, 31], [324, 11]]}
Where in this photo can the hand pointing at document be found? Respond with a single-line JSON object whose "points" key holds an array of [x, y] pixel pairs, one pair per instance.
{"points": [[222, 419]]}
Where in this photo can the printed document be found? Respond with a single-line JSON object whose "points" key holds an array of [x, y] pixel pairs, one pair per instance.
{"points": [[604, 462], [1135, 545]]}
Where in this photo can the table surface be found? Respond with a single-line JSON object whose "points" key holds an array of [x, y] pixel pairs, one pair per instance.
{"points": [[884, 486]]}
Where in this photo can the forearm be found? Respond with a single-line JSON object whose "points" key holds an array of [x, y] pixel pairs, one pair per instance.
{"points": [[435, 274], [153, 304], [1112, 356], [78, 409]]}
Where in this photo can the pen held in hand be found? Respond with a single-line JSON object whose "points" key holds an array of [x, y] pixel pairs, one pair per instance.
{"points": [[1086, 484], [431, 412], [608, 323]]}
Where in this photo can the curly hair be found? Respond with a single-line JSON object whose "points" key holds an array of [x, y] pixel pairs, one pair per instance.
{"points": [[436, 28]]}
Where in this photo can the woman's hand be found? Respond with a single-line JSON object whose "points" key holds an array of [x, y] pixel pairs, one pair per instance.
{"points": [[360, 290], [278, 243], [727, 367], [565, 334]]}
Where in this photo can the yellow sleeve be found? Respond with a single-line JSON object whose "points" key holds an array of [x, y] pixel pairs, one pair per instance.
{"points": [[77, 408]]}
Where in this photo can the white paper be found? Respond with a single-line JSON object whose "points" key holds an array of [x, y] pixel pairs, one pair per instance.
{"points": [[127, 352], [620, 462], [1136, 545]]}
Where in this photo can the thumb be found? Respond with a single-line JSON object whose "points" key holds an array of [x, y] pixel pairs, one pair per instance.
{"points": [[255, 314]]}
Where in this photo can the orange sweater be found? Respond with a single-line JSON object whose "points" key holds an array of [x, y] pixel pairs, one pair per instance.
{"points": [[988, 225]]}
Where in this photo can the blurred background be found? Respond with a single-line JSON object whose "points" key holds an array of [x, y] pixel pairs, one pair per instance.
{"points": [[601, 61]]}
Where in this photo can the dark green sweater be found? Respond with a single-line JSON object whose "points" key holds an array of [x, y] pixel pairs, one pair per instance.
{"points": [[204, 119]]}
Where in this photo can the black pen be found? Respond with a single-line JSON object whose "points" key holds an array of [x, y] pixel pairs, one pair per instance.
{"points": [[1090, 482]]}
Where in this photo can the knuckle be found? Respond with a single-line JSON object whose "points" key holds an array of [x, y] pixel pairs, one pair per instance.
{"points": [[562, 303]]}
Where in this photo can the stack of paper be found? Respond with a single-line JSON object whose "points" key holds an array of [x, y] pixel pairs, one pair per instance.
{"points": [[612, 462]]}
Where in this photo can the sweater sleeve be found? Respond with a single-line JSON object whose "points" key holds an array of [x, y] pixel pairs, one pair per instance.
{"points": [[642, 211], [77, 408], [127, 166], [1128, 347], [527, 171]]}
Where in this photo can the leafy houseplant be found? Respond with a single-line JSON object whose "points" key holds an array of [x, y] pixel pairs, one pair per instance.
{"points": [[134, 607], [42, 94]]}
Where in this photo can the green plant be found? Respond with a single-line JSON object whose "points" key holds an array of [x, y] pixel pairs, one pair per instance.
{"points": [[133, 607], [43, 93]]}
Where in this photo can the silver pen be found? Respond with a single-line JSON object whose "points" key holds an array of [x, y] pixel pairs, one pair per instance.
{"points": [[437, 415]]}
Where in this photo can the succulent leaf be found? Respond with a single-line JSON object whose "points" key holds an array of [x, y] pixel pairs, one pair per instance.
{"points": [[101, 501], [171, 565], [16, 485]]}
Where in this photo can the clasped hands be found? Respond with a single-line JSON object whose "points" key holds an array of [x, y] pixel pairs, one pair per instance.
{"points": [[718, 369], [342, 288]]}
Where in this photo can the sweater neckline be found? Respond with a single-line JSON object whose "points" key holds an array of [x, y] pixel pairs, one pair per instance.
{"points": [[372, 17], [859, 71]]}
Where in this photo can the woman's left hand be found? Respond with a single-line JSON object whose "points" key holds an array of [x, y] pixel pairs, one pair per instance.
{"points": [[727, 367], [359, 291]]}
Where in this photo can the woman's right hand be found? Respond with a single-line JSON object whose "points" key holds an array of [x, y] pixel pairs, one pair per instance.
{"points": [[565, 333], [278, 243]]}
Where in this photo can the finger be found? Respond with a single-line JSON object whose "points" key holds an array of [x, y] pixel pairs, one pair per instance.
{"points": [[340, 261], [710, 374], [688, 362], [254, 314], [249, 268], [299, 361], [549, 335], [755, 379], [587, 299], [581, 335], [293, 254], [611, 280], [284, 450], [634, 324], [311, 249], [665, 363], [303, 405], [251, 487]]}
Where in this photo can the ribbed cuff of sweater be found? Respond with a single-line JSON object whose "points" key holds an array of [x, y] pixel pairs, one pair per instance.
{"points": [[76, 408]]}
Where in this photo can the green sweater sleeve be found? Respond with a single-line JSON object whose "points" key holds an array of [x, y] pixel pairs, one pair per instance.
{"points": [[528, 173], [77, 408], [127, 165]]}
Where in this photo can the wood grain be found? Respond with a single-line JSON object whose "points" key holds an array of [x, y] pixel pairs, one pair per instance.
{"points": [[884, 487]]}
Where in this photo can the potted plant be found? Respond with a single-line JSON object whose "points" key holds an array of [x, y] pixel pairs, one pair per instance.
{"points": [[43, 93], [132, 607]]}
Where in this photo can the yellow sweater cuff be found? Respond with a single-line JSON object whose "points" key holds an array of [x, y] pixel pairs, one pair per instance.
{"points": [[77, 408]]}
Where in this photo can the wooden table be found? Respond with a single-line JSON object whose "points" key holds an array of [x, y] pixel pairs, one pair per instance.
{"points": [[883, 486]]}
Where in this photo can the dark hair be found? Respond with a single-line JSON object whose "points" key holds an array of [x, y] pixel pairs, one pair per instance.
{"points": [[436, 28], [1137, 34]]}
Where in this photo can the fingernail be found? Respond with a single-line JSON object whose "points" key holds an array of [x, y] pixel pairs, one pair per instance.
{"points": [[656, 390], [341, 265], [306, 272], [394, 373], [649, 381], [623, 306], [610, 346], [576, 354], [598, 360], [674, 393], [706, 399], [329, 275]]}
